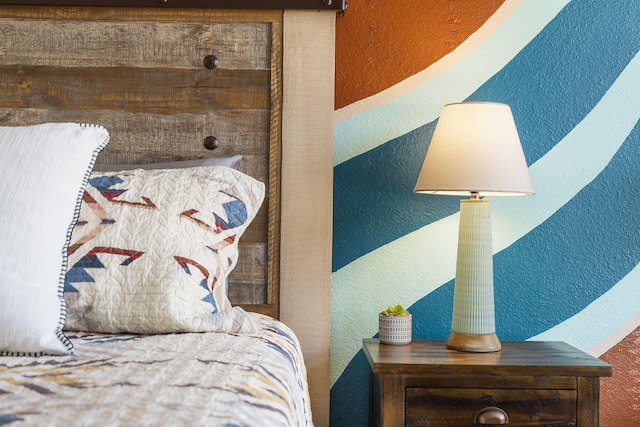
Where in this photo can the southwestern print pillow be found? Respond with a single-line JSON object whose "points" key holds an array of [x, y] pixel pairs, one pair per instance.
{"points": [[152, 249]]}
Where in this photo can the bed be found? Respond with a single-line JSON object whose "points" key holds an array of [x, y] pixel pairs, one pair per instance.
{"points": [[171, 82]]}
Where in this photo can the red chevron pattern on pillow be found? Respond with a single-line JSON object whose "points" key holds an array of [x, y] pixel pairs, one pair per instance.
{"points": [[153, 248]]}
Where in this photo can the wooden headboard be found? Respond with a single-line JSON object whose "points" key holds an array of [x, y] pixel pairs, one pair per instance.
{"points": [[172, 83]]}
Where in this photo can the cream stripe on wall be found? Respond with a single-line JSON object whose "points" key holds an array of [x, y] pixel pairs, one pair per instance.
{"points": [[604, 322], [414, 81], [373, 122], [423, 260], [617, 336]]}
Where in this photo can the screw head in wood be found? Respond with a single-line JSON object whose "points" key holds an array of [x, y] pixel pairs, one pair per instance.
{"points": [[211, 62], [211, 142]]}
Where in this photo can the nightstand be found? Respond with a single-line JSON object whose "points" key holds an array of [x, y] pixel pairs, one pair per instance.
{"points": [[528, 383]]}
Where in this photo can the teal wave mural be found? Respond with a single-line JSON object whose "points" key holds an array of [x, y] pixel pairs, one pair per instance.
{"points": [[579, 74], [558, 77]]}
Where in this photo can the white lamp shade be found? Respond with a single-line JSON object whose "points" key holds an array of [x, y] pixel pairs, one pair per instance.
{"points": [[475, 148]]}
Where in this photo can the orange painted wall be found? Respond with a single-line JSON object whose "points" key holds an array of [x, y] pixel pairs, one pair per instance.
{"points": [[382, 42], [620, 403]]}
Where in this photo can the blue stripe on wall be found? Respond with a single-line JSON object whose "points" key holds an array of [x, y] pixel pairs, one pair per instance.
{"points": [[374, 201], [559, 77], [573, 258]]}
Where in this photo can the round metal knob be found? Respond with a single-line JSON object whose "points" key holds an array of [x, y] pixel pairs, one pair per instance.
{"points": [[211, 143], [491, 415], [210, 62]]}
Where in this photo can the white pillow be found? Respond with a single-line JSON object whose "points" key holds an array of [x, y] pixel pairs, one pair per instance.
{"points": [[43, 172], [152, 250]]}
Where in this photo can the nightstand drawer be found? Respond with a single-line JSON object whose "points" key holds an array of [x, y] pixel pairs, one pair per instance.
{"points": [[459, 406], [535, 383]]}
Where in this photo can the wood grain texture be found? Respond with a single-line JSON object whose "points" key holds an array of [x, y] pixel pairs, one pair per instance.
{"points": [[141, 75], [175, 136], [521, 358], [535, 383], [141, 14], [275, 168], [158, 90], [270, 100], [307, 196], [456, 406], [334, 5], [147, 44], [498, 381], [588, 400], [393, 390]]}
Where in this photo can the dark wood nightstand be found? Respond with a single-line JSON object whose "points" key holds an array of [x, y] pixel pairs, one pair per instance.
{"points": [[530, 383]]}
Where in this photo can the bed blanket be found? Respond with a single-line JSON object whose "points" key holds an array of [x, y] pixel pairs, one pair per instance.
{"points": [[191, 379]]}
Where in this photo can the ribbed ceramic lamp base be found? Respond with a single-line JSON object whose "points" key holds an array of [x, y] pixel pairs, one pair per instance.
{"points": [[474, 343], [473, 322]]}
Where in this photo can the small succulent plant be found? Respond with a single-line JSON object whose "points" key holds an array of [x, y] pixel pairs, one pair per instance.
{"points": [[395, 310]]}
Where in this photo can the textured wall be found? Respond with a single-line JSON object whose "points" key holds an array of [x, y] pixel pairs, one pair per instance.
{"points": [[381, 43], [566, 261]]}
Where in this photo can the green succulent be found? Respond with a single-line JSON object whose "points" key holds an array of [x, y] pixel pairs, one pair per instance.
{"points": [[395, 310]]}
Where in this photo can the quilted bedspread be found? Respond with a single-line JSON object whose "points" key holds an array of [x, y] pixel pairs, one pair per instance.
{"points": [[190, 379]]}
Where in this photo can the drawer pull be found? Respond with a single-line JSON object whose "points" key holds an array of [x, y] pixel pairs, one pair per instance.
{"points": [[491, 416]]}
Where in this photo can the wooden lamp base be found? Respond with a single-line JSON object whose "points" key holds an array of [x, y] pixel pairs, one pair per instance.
{"points": [[474, 343]]}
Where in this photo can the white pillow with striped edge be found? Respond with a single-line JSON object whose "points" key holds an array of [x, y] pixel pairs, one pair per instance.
{"points": [[43, 174]]}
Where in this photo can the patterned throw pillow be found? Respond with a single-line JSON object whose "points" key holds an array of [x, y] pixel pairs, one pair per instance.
{"points": [[229, 161], [152, 249], [43, 172]]}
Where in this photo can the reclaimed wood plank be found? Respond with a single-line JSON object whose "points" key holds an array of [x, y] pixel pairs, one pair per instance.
{"points": [[457, 406], [588, 401], [246, 294], [517, 358], [165, 136], [252, 264], [334, 5], [135, 44], [479, 380], [266, 309], [392, 396], [141, 14], [158, 90], [275, 166]]}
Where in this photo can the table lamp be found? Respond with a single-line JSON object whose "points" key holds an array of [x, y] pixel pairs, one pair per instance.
{"points": [[475, 151]]}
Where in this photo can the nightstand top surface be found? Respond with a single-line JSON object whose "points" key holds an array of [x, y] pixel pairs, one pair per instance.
{"points": [[516, 358]]}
